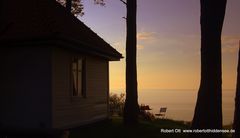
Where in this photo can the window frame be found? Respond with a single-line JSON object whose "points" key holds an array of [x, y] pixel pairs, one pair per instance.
{"points": [[75, 92]]}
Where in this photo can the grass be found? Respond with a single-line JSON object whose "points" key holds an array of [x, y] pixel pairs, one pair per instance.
{"points": [[145, 129], [116, 129]]}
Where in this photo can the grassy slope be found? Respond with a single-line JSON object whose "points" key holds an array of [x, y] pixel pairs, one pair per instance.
{"points": [[145, 129], [115, 129]]}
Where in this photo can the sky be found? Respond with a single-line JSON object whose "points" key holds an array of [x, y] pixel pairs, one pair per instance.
{"points": [[168, 47]]}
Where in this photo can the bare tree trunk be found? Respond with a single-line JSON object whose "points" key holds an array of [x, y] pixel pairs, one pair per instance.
{"points": [[131, 108], [208, 110], [236, 122]]}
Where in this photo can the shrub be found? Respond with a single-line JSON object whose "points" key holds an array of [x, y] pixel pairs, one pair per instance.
{"points": [[145, 114], [116, 103]]}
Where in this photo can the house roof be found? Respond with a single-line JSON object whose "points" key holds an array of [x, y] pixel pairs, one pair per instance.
{"points": [[46, 20]]}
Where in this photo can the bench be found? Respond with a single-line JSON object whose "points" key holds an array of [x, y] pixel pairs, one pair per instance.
{"points": [[162, 112]]}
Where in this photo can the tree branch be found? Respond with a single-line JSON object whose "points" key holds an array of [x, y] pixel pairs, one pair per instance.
{"points": [[123, 2]]}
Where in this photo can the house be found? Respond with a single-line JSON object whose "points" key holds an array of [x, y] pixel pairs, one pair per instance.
{"points": [[54, 69]]}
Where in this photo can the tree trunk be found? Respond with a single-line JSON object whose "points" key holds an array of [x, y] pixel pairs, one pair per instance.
{"points": [[236, 122], [131, 108], [208, 110], [69, 5]]}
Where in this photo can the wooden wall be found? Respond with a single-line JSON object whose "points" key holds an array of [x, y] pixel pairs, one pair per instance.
{"points": [[69, 111], [25, 88]]}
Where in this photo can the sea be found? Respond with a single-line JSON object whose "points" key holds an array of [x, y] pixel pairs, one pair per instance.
{"points": [[181, 103]]}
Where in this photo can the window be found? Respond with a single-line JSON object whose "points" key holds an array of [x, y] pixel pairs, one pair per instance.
{"points": [[78, 76]]}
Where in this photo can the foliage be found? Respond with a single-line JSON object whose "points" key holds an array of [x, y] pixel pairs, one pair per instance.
{"points": [[147, 116], [100, 2], [116, 104], [144, 114], [77, 6]]}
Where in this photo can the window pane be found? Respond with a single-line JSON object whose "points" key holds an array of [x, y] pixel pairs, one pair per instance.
{"points": [[79, 82], [79, 64], [74, 73], [79, 76]]}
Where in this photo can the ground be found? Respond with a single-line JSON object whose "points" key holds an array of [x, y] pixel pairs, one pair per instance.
{"points": [[114, 128], [145, 129]]}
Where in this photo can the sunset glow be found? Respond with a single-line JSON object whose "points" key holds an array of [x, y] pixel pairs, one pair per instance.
{"points": [[168, 42]]}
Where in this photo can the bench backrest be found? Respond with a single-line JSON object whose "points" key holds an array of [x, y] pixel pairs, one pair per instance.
{"points": [[163, 109]]}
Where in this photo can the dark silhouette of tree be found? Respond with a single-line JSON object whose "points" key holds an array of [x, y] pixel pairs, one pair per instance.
{"points": [[236, 122], [131, 109], [208, 110], [73, 6], [76, 6]]}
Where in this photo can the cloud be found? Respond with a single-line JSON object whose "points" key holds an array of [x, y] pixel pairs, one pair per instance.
{"points": [[230, 43], [140, 47], [146, 35], [117, 44], [120, 46]]}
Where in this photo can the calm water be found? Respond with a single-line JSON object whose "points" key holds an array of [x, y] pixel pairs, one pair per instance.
{"points": [[181, 103]]}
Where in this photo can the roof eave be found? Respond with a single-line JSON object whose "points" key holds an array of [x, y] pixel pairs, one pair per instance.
{"points": [[69, 44], [114, 56]]}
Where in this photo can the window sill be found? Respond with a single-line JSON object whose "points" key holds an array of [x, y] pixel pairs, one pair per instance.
{"points": [[77, 98]]}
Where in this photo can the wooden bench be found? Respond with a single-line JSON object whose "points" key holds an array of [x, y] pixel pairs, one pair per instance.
{"points": [[162, 112]]}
